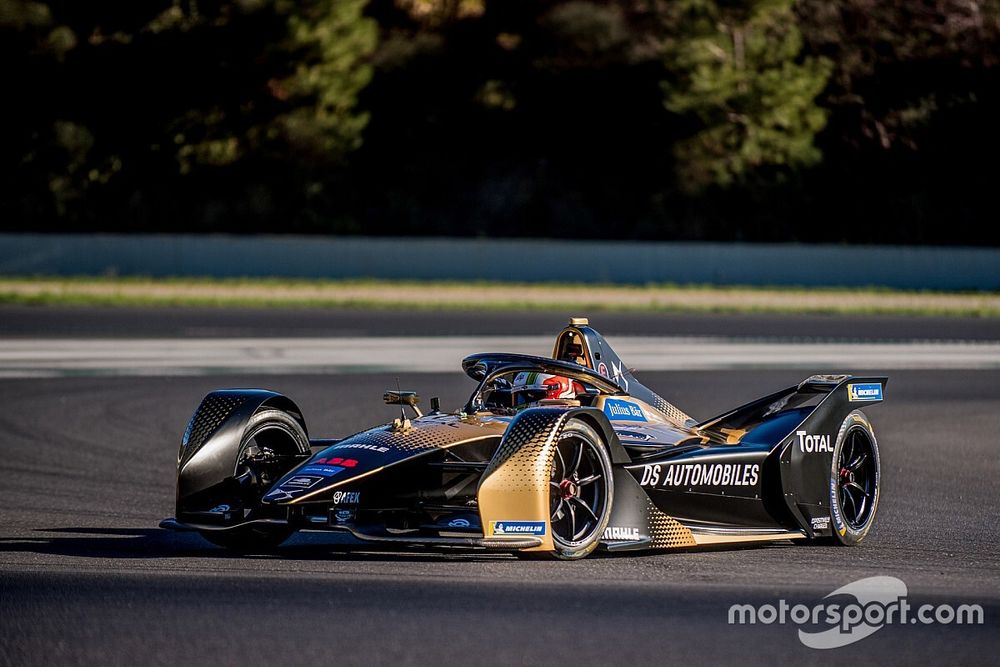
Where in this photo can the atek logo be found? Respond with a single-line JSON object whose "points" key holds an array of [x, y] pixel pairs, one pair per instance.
{"points": [[518, 527], [813, 443], [346, 497]]}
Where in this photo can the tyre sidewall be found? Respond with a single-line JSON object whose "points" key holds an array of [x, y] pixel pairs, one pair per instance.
{"points": [[843, 533], [581, 550], [266, 418], [257, 537]]}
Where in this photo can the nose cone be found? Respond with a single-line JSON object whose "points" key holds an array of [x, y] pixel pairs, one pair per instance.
{"points": [[331, 467], [318, 473], [373, 450]]}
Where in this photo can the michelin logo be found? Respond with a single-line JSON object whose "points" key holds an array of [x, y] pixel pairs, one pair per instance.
{"points": [[518, 527], [864, 392]]}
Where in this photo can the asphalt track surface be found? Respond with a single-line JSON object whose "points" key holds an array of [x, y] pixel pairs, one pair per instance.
{"points": [[86, 577]]}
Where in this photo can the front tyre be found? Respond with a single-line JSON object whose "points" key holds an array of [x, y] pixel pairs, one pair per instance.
{"points": [[272, 444], [855, 481], [581, 490]]}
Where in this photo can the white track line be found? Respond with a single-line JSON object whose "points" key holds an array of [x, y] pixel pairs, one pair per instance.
{"points": [[208, 356]]}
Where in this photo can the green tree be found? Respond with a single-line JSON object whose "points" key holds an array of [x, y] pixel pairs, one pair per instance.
{"points": [[736, 68], [173, 94], [331, 43]]}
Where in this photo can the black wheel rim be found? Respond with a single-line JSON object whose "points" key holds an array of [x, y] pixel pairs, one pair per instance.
{"points": [[265, 455], [578, 491], [857, 478]]}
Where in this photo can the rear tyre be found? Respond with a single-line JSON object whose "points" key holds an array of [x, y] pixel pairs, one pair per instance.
{"points": [[273, 442], [581, 490], [855, 481]]}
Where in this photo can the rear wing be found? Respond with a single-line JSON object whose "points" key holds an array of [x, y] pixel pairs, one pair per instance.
{"points": [[806, 452], [856, 392], [801, 434]]}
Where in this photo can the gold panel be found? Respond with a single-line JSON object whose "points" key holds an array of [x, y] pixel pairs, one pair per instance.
{"points": [[705, 539], [672, 412], [667, 532], [515, 486]]}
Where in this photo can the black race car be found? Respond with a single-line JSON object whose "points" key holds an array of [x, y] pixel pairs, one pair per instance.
{"points": [[551, 455]]}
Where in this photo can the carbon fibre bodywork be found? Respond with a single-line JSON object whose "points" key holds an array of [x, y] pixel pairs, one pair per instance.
{"points": [[481, 476]]}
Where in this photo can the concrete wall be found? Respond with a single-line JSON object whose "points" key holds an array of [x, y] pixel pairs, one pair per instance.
{"points": [[503, 260]]}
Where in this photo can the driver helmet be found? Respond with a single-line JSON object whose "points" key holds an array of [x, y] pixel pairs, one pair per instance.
{"points": [[532, 387]]}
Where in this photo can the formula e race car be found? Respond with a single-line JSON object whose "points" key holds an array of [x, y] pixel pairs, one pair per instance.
{"points": [[550, 456]]}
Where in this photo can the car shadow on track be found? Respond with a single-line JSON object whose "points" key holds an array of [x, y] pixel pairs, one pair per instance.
{"points": [[136, 543]]}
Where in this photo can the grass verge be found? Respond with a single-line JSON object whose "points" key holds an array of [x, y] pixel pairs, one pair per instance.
{"points": [[488, 296]]}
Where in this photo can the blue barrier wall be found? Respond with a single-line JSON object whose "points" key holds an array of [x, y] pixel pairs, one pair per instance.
{"points": [[943, 268]]}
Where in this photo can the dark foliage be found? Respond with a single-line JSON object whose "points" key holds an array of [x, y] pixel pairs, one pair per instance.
{"points": [[859, 121]]}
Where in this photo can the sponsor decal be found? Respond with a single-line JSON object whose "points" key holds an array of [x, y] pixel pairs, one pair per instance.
{"points": [[279, 494], [302, 482], [602, 368], [362, 445], [346, 497], [341, 516], [634, 435], [459, 523], [517, 527], [813, 443], [623, 410], [218, 509], [619, 375], [622, 534], [820, 522], [322, 471], [323, 467], [864, 392], [338, 461], [700, 474], [855, 611], [838, 518]]}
